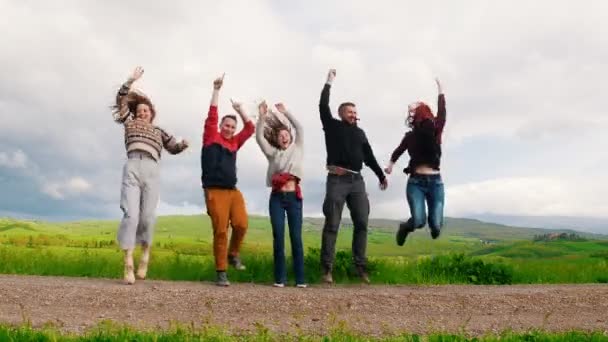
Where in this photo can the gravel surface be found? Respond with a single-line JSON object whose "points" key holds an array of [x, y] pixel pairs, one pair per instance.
{"points": [[75, 304]]}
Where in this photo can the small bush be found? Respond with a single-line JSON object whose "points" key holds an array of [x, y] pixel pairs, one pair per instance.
{"points": [[461, 268]]}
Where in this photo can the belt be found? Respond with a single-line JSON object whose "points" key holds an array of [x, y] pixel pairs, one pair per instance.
{"points": [[139, 155], [341, 171], [421, 175]]}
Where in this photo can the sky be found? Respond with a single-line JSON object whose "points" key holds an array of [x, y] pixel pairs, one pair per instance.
{"points": [[523, 80]]}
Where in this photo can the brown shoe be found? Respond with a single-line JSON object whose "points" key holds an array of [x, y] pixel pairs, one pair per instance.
{"points": [[362, 273]]}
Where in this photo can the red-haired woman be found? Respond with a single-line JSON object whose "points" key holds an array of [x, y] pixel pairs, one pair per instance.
{"points": [[139, 193], [424, 184]]}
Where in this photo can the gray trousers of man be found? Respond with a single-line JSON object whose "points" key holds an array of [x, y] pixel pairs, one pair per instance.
{"points": [[139, 196], [349, 189]]}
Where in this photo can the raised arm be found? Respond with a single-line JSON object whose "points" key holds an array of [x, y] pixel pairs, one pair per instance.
{"points": [[210, 128], [441, 111], [171, 144], [294, 122], [265, 146], [324, 110], [121, 109], [248, 128], [370, 160]]}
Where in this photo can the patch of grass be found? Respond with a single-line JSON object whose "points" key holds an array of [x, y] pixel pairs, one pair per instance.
{"points": [[578, 270], [458, 268], [103, 263], [602, 254], [183, 251], [110, 331]]}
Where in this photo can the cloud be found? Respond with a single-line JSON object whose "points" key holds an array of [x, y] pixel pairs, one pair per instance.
{"points": [[528, 196], [71, 187], [524, 101], [13, 160], [185, 208]]}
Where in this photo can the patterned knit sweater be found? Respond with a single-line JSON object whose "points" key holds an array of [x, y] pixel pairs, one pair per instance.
{"points": [[143, 136]]}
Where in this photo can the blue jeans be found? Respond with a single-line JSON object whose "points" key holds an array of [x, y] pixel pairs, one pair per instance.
{"points": [[421, 189], [282, 203]]}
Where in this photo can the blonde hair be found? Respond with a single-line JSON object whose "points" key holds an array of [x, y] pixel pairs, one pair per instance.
{"points": [[273, 126]]}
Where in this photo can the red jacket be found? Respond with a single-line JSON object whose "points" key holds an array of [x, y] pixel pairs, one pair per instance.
{"points": [[218, 155]]}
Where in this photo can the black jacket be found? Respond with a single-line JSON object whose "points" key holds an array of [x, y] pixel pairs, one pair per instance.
{"points": [[346, 144]]}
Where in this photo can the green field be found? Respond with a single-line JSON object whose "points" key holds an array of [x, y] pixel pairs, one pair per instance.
{"points": [[468, 251], [110, 332]]}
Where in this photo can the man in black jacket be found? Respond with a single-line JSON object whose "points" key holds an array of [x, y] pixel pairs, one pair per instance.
{"points": [[347, 149]]}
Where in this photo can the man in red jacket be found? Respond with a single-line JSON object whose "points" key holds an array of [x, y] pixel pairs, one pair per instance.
{"points": [[225, 203]]}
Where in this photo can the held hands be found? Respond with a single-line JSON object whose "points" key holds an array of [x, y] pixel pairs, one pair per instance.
{"points": [[331, 75], [218, 82], [136, 74], [384, 184], [389, 168]]}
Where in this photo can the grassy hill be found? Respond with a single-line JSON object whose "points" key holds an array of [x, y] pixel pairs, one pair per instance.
{"points": [[183, 250], [471, 228]]}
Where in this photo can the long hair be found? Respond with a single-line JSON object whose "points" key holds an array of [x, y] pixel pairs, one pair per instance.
{"points": [[422, 121], [418, 112], [273, 126], [133, 99]]}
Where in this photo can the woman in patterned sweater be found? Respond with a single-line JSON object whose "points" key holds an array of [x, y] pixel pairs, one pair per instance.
{"points": [[140, 179]]}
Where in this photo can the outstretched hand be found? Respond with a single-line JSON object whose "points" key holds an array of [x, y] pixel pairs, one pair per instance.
{"points": [[236, 105], [439, 88], [281, 107], [218, 82], [331, 75], [185, 143], [263, 109], [136, 74]]}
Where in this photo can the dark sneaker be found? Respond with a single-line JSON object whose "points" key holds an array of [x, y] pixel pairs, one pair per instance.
{"points": [[362, 273], [402, 233], [236, 263], [435, 233], [222, 279]]}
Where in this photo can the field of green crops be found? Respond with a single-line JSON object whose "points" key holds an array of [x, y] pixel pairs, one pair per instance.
{"points": [[468, 252]]}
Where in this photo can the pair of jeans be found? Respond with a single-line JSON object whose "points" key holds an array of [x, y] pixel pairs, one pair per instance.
{"points": [[349, 189], [423, 189], [283, 204]]}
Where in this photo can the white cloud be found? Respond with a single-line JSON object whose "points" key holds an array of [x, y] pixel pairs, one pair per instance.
{"points": [[527, 83], [69, 188], [184, 208], [13, 160], [528, 196]]}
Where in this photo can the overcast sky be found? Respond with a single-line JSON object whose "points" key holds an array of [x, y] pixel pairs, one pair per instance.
{"points": [[524, 82]]}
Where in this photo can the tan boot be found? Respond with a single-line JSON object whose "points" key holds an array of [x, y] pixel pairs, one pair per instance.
{"points": [[129, 277], [142, 269]]}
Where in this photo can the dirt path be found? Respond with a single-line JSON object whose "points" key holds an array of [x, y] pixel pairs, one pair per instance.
{"points": [[78, 303]]}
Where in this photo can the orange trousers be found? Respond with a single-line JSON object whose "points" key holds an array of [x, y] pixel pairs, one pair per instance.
{"points": [[226, 207]]}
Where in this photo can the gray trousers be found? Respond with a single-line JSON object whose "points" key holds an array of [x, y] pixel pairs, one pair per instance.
{"points": [[349, 189], [139, 196]]}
